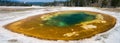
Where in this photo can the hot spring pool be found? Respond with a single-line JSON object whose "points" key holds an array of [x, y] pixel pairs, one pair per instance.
{"points": [[64, 25], [63, 20]]}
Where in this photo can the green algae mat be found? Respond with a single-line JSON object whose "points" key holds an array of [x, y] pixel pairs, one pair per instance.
{"points": [[63, 25]]}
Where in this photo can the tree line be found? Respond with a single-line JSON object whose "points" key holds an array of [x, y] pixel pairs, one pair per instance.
{"points": [[91, 3], [69, 3]]}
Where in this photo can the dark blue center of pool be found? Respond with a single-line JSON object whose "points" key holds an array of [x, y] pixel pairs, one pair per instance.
{"points": [[63, 20]]}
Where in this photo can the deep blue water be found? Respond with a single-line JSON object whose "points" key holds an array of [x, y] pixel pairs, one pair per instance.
{"points": [[69, 19]]}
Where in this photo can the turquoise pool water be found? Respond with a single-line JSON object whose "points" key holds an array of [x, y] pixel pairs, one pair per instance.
{"points": [[69, 19]]}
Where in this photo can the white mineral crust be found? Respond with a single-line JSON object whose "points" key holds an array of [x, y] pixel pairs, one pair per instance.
{"points": [[6, 36]]}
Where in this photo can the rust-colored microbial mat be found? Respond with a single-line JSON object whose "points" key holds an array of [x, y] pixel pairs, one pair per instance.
{"points": [[64, 25]]}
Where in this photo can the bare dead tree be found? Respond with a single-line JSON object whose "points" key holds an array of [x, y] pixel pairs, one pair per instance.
{"points": [[85, 3], [100, 3], [108, 3]]}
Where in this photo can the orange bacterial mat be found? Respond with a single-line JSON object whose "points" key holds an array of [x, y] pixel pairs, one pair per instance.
{"points": [[64, 25]]}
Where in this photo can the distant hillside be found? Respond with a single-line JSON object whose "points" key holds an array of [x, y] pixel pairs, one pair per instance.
{"points": [[9, 3], [36, 3], [12, 3]]}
